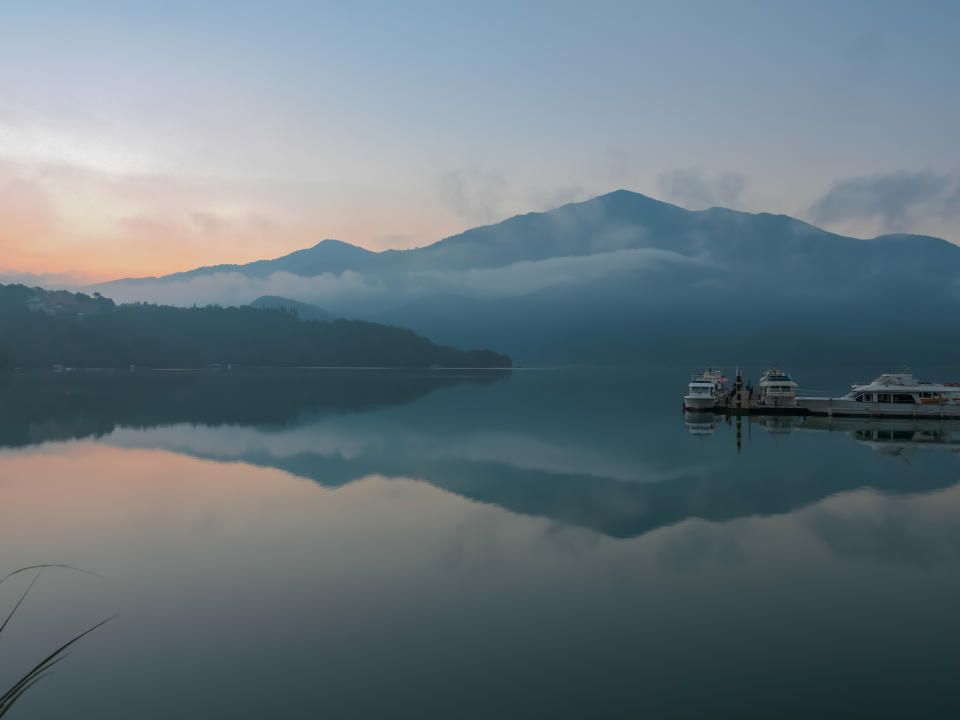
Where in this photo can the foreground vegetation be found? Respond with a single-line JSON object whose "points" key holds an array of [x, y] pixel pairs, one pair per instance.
{"points": [[42, 669]]}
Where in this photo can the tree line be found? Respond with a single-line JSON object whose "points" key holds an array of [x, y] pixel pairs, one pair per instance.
{"points": [[40, 329]]}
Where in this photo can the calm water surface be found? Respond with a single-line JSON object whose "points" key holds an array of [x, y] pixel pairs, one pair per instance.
{"points": [[549, 543]]}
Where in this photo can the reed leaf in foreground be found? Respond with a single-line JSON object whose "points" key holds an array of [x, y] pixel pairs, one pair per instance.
{"points": [[46, 565], [20, 601], [42, 669]]}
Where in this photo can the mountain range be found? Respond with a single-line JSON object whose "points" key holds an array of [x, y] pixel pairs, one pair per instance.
{"points": [[622, 277]]}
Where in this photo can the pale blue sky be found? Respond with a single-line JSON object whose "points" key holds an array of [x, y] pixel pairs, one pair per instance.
{"points": [[236, 130]]}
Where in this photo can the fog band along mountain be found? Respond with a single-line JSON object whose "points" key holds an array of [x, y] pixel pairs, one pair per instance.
{"points": [[621, 277]]}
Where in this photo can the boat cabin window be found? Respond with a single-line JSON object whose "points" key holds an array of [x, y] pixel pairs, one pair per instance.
{"points": [[883, 397], [864, 397], [903, 398]]}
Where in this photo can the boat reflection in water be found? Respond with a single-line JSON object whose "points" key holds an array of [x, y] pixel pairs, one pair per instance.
{"points": [[699, 422], [888, 436], [892, 436], [778, 424]]}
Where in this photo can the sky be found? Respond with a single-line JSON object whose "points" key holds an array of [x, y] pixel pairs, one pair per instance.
{"points": [[141, 138]]}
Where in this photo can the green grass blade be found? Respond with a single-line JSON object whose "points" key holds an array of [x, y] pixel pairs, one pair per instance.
{"points": [[46, 565], [49, 660], [20, 601], [41, 669], [4, 708], [28, 678]]}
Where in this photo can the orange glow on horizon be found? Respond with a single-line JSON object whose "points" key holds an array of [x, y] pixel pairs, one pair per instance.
{"points": [[107, 259], [55, 230]]}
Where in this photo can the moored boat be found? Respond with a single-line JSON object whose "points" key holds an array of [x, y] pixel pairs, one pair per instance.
{"points": [[890, 395], [705, 391], [777, 389]]}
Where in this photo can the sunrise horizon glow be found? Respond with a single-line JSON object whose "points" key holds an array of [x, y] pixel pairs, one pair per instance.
{"points": [[137, 140]]}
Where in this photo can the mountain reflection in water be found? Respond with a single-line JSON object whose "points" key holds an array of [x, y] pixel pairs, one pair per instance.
{"points": [[542, 543], [600, 452]]}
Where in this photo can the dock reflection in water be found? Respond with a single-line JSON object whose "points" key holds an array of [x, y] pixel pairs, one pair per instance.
{"points": [[891, 436], [507, 545]]}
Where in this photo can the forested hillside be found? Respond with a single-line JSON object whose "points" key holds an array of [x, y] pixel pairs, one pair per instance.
{"points": [[40, 328]]}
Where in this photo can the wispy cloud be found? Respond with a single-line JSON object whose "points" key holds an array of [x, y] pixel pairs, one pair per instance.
{"points": [[49, 281], [694, 190], [232, 288], [482, 196], [527, 276], [473, 194], [898, 200], [352, 290], [544, 199]]}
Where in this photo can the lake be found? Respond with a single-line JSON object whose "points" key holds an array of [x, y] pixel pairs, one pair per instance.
{"points": [[546, 542]]}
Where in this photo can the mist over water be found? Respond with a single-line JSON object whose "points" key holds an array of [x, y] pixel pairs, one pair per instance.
{"points": [[558, 542]]}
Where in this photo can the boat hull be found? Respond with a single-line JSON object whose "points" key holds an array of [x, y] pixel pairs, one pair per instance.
{"points": [[698, 403], [845, 407], [777, 402]]}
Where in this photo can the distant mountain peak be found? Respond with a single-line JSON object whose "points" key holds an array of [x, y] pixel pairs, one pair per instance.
{"points": [[333, 244]]}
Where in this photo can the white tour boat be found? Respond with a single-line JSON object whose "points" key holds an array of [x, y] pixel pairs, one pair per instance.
{"points": [[891, 395], [777, 389], [705, 391]]}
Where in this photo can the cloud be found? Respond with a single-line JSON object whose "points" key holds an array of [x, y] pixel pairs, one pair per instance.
{"points": [[232, 288], [557, 197], [61, 218], [951, 204], [529, 276], [26, 210], [897, 199], [485, 196], [207, 222], [352, 290], [473, 194], [691, 189], [50, 281], [917, 531], [57, 218]]}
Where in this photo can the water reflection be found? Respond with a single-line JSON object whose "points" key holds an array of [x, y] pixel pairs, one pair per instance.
{"points": [[893, 436], [535, 545], [700, 423], [519, 442], [778, 424], [890, 436], [41, 407]]}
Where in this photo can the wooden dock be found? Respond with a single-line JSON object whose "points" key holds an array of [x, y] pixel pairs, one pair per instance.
{"points": [[757, 409]]}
